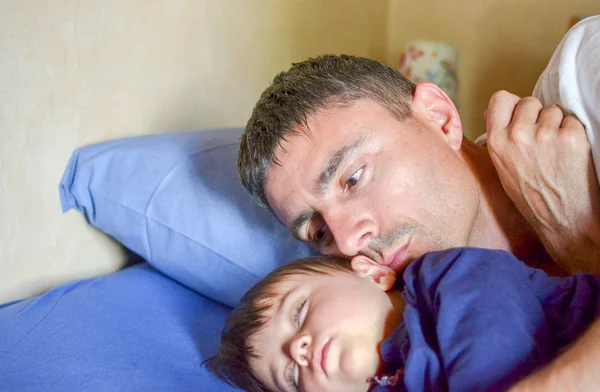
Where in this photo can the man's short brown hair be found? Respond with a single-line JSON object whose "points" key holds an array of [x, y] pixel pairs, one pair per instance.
{"points": [[313, 85]]}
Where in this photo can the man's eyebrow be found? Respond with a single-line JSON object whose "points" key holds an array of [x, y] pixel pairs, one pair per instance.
{"points": [[335, 162]]}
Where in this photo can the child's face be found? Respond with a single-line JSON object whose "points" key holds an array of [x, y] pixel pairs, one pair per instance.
{"points": [[324, 334]]}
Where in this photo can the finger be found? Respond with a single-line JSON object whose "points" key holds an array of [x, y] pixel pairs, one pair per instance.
{"points": [[550, 118], [527, 111], [500, 110], [572, 122]]}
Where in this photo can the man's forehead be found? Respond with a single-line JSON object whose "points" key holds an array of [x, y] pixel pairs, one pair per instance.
{"points": [[299, 140], [290, 172], [307, 135]]}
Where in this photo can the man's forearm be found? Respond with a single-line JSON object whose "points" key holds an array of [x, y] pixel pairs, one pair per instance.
{"points": [[578, 369]]}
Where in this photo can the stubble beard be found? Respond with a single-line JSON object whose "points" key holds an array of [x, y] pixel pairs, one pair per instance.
{"points": [[382, 244]]}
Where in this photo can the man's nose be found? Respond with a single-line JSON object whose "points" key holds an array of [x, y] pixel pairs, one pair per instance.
{"points": [[351, 230], [300, 349]]}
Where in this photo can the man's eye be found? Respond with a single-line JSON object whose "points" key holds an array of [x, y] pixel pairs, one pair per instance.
{"points": [[353, 179], [322, 239], [320, 234]]}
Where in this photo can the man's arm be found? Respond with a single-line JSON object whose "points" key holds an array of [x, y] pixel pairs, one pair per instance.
{"points": [[543, 158], [544, 162], [575, 370], [548, 172]]}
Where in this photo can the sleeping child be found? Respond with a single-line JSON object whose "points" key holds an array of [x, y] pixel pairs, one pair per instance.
{"points": [[463, 319]]}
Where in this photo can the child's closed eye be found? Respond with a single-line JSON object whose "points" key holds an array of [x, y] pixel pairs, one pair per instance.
{"points": [[291, 377], [298, 313]]}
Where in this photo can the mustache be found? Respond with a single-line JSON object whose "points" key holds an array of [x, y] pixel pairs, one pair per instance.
{"points": [[379, 244]]}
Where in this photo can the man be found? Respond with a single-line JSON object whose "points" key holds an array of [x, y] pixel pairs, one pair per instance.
{"points": [[366, 162], [355, 159]]}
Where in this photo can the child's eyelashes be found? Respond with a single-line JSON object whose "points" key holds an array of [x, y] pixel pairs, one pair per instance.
{"points": [[298, 313], [291, 377], [292, 371]]}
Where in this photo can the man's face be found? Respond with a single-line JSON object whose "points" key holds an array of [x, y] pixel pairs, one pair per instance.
{"points": [[360, 181], [323, 335]]}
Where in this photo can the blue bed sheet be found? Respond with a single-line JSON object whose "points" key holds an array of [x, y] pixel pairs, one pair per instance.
{"points": [[134, 330]]}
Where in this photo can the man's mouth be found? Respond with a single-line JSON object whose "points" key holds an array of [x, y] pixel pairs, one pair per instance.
{"points": [[398, 260]]}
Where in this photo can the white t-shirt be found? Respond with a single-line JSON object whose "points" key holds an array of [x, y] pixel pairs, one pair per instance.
{"points": [[572, 79]]}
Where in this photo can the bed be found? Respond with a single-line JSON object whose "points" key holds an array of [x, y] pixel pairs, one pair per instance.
{"points": [[174, 201]]}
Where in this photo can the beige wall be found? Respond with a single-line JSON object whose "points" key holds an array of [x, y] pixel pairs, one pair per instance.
{"points": [[503, 44], [75, 72]]}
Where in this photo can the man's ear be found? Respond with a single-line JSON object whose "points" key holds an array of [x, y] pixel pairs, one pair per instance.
{"points": [[433, 105], [367, 268]]}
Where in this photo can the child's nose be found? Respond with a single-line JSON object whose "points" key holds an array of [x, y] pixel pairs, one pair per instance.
{"points": [[300, 349]]}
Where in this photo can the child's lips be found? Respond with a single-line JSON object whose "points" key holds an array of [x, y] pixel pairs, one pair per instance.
{"points": [[322, 358]]}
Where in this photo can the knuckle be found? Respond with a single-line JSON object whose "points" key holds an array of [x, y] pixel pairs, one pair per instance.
{"points": [[574, 138], [572, 122], [554, 109], [531, 101], [520, 134], [501, 95], [544, 135], [555, 106]]}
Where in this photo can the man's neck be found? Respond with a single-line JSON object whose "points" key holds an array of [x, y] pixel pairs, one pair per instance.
{"points": [[499, 223]]}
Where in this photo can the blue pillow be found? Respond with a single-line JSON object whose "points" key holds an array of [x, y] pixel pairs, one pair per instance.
{"points": [[175, 200], [134, 330]]}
